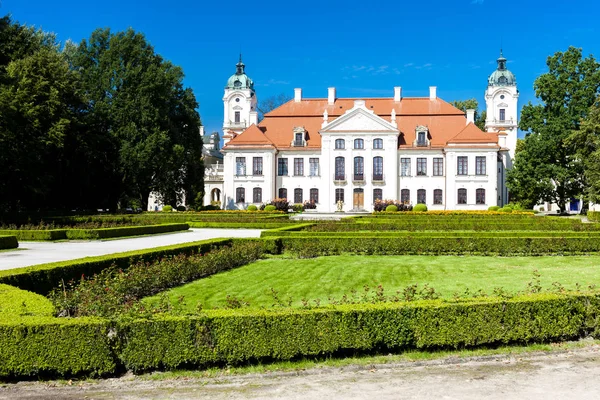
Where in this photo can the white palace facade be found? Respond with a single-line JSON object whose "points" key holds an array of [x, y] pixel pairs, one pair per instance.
{"points": [[414, 150]]}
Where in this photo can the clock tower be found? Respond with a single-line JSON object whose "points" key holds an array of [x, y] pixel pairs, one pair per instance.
{"points": [[239, 103]]}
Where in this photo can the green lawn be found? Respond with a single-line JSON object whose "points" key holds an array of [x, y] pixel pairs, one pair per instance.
{"points": [[320, 278]]}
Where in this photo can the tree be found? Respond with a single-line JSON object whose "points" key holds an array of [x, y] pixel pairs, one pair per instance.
{"points": [[465, 105], [548, 168], [270, 103], [587, 142]]}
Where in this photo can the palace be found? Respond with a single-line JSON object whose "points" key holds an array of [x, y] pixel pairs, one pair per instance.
{"points": [[358, 150]]}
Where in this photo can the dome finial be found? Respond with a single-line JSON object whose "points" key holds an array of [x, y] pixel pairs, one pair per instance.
{"points": [[240, 66]]}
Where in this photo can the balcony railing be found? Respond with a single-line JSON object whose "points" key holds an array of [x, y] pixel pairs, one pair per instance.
{"points": [[298, 143], [422, 143], [339, 178], [358, 177], [377, 177]]}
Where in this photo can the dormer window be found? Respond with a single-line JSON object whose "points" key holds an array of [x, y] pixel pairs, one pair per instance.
{"points": [[299, 137], [421, 139]]}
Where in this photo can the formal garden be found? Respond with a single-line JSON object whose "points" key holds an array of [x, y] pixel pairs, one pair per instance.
{"points": [[381, 283]]}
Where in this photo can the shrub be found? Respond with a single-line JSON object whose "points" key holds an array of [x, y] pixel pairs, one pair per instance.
{"points": [[106, 233], [167, 209], [271, 207], [252, 207], [506, 209], [391, 208], [15, 302], [493, 208], [181, 208], [420, 208], [309, 205], [593, 216], [8, 242], [280, 204], [298, 207]]}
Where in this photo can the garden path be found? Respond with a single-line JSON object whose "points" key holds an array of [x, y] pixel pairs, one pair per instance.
{"points": [[32, 253]]}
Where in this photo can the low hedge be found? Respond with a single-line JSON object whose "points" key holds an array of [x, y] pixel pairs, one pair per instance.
{"points": [[45, 277], [594, 216], [8, 242], [538, 225], [243, 225], [15, 302], [410, 245], [64, 347], [36, 235], [106, 233], [435, 234]]}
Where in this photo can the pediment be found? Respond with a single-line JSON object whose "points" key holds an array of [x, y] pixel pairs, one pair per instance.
{"points": [[360, 120], [502, 105]]}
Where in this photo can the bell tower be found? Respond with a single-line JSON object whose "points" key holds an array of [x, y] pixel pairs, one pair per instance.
{"points": [[239, 103], [501, 98]]}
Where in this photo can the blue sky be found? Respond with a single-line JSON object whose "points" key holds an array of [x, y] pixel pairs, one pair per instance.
{"points": [[362, 48]]}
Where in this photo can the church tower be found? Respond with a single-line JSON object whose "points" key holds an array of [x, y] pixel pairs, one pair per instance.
{"points": [[239, 103], [501, 98]]}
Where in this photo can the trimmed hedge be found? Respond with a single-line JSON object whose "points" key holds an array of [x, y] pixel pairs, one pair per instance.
{"points": [[45, 277], [71, 346], [35, 235], [15, 302], [594, 216], [432, 225], [8, 242], [434, 234], [242, 225]]}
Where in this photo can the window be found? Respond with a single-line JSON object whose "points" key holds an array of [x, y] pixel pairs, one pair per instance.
{"points": [[502, 114], [340, 170], [240, 166], [240, 195], [298, 166], [297, 195], [438, 167], [359, 144], [314, 166], [437, 196], [359, 168], [282, 167], [421, 166], [462, 196], [405, 167], [480, 196], [405, 196], [340, 144], [462, 166], [257, 195], [257, 166], [339, 195], [298, 140], [377, 168], [421, 140], [421, 196], [237, 117], [314, 195], [377, 194], [480, 165], [378, 143], [282, 193]]}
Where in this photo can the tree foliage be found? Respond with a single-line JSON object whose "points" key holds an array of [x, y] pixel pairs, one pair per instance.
{"points": [[547, 168], [270, 103], [465, 105], [587, 142]]}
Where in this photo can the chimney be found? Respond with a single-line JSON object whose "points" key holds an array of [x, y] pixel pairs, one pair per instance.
{"points": [[397, 93], [470, 116], [432, 92], [253, 117], [502, 139], [297, 95], [330, 96]]}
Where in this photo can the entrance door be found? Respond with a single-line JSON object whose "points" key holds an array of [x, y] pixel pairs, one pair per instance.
{"points": [[359, 199]]}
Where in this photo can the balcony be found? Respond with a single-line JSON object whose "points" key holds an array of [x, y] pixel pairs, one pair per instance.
{"points": [[298, 143], [339, 178], [378, 178], [421, 143], [236, 124], [358, 178], [214, 173]]}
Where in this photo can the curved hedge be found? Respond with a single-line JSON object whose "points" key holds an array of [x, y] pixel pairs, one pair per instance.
{"points": [[8, 242], [15, 302]]}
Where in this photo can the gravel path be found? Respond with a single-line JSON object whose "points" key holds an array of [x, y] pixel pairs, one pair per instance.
{"points": [[32, 253], [566, 375]]}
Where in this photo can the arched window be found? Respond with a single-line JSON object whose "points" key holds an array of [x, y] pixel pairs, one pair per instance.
{"points": [[462, 196], [359, 169], [359, 144], [240, 195], [339, 195], [405, 196], [437, 196], [480, 196], [298, 196], [340, 169], [257, 195], [377, 195], [377, 168], [421, 196], [378, 143], [314, 195], [340, 144], [282, 193]]}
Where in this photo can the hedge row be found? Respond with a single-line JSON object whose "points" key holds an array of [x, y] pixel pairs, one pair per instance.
{"points": [[435, 234], [593, 216], [453, 226], [101, 233], [45, 277], [328, 245], [243, 225], [15, 302], [462, 213], [63, 347], [447, 215], [8, 242]]}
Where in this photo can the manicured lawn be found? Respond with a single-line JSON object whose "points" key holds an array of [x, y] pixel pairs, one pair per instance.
{"points": [[320, 278]]}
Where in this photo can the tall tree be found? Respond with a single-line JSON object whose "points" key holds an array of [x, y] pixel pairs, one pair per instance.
{"points": [[465, 105], [140, 106], [270, 103], [566, 93], [587, 142]]}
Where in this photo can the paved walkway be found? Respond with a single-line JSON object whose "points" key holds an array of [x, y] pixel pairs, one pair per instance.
{"points": [[32, 253]]}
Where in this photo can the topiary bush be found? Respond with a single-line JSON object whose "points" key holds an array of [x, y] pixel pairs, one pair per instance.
{"points": [[271, 207], [167, 209], [181, 208], [252, 207], [506, 209], [391, 208], [493, 208], [280, 204], [420, 208]]}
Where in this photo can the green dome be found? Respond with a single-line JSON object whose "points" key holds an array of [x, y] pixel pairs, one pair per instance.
{"points": [[240, 80], [502, 76]]}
